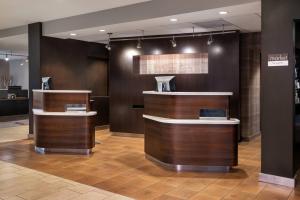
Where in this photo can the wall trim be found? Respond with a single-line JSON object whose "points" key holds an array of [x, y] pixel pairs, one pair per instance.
{"points": [[278, 180], [251, 137], [102, 127], [122, 134]]}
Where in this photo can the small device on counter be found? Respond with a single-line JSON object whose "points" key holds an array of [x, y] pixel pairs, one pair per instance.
{"points": [[213, 114], [46, 83], [165, 83], [75, 108], [11, 96]]}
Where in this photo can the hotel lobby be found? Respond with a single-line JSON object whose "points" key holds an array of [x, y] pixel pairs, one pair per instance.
{"points": [[149, 100]]}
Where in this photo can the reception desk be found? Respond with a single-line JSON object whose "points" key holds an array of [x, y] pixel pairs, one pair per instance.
{"points": [[177, 139], [58, 130]]}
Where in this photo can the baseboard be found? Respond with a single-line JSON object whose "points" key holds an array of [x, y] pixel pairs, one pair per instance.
{"points": [[13, 118], [103, 127], [278, 180], [252, 137], [121, 134], [30, 136]]}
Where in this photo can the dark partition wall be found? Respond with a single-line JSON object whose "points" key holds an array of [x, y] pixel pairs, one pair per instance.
{"points": [[34, 52], [278, 152], [126, 84], [250, 56], [78, 65]]}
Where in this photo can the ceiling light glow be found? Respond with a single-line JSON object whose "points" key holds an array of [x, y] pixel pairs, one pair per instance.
{"points": [[73, 34], [223, 12], [102, 30], [188, 50], [173, 20]]}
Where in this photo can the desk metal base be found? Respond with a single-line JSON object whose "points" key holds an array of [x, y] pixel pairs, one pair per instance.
{"points": [[61, 150], [180, 168]]}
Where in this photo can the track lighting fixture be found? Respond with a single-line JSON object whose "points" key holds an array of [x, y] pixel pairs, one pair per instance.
{"points": [[139, 44], [108, 47], [6, 58], [210, 40], [173, 42]]}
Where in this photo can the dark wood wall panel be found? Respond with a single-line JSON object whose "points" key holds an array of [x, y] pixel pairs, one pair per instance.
{"points": [[77, 65], [126, 86]]}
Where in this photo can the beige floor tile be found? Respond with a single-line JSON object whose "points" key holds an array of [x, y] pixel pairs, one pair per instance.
{"points": [[91, 196]]}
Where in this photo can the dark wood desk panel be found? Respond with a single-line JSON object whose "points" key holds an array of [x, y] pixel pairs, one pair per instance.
{"points": [[198, 144], [182, 106], [65, 132], [55, 102]]}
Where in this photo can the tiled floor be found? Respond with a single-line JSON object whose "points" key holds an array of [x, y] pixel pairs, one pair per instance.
{"points": [[17, 182], [118, 165], [13, 130]]}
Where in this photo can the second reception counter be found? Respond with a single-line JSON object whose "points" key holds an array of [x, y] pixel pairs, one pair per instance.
{"points": [[176, 138], [63, 121]]}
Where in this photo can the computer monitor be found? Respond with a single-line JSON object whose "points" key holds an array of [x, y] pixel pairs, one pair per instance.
{"points": [[165, 83], [46, 83]]}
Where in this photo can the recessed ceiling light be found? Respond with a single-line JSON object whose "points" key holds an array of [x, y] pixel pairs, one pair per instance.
{"points": [[73, 34], [102, 30], [223, 12], [173, 20]]}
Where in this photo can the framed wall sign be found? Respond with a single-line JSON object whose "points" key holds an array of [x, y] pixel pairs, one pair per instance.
{"points": [[278, 60]]}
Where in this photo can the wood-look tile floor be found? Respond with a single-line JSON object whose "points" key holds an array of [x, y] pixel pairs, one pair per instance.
{"points": [[118, 165], [21, 183]]}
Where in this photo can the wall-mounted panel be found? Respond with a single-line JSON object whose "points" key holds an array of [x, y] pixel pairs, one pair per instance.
{"points": [[195, 63]]}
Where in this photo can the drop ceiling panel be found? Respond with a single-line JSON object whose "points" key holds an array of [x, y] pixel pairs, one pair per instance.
{"points": [[246, 23]]}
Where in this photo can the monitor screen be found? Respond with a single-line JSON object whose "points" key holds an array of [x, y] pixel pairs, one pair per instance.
{"points": [[165, 83]]}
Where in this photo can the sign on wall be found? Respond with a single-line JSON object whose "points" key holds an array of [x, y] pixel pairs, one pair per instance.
{"points": [[278, 60]]}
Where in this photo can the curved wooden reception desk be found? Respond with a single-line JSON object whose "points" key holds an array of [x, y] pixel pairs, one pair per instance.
{"points": [[57, 130], [177, 139]]}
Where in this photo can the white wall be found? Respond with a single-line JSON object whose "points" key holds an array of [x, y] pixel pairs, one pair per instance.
{"points": [[20, 73], [4, 72]]}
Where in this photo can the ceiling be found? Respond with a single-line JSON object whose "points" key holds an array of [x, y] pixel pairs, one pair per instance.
{"points": [[19, 12], [60, 20], [245, 17], [15, 44]]}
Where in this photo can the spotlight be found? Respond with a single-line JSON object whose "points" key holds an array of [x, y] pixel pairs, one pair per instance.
{"points": [[6, 58], [173, 20], [139, 44], [73, 34], [210, 40], [26, 60], [108, 47], [173, 42], [102, 30]]}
